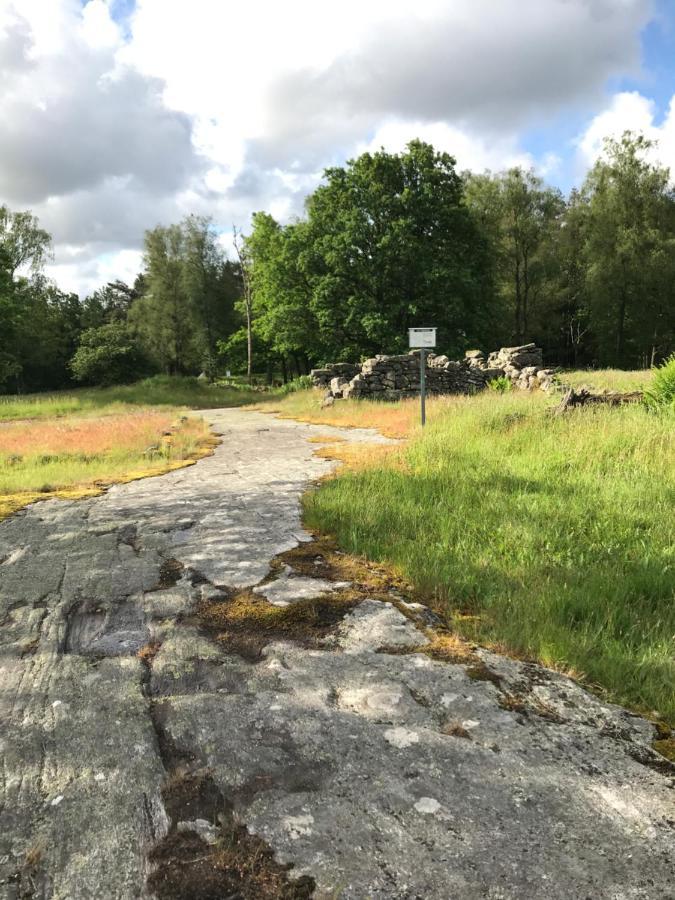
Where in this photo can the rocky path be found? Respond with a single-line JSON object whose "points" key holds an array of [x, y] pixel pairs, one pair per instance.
{"points": [[168, 729]]}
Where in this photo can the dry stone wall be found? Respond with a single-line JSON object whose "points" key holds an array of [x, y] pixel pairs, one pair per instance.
{"points": [[395, 377]]}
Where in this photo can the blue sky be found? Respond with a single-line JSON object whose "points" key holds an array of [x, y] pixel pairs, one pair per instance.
{"points": [[655, 81]]}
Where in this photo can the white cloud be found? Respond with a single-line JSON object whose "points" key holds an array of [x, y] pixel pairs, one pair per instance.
{"points": [[225, 108], [470, 150], [630, 111], [85, 276]]}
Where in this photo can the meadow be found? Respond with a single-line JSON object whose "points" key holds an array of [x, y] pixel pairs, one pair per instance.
{"points": [[549, 537], [73, 443], [161, 390]]}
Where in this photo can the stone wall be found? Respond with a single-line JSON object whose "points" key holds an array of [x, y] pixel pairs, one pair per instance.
{"points": [[523, 366], [394, 377], [323, 377]]}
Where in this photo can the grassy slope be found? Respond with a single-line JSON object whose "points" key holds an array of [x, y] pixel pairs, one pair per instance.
{"points": [[552, 537], [70, 444], [613, 379]]}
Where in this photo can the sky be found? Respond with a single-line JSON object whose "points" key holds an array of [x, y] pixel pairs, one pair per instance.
{"points": [[118, 115]]}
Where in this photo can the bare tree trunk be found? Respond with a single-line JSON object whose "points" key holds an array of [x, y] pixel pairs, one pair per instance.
{"points": [[249, 342], [526, 295], [519, 302], [246, 275]]}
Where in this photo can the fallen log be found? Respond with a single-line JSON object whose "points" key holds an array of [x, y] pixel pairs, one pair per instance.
{"points": [[584, 397]]}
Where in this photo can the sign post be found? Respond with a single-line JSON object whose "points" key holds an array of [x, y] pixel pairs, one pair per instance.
{"points": [[422, 339]]}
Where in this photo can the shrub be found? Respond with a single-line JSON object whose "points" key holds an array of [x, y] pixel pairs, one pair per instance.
{"points": [[109, 355], [298, 384], [662, 390], [501, 385]]}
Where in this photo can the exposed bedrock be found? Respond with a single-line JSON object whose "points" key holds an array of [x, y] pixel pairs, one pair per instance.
{"points": [[166, 730]]}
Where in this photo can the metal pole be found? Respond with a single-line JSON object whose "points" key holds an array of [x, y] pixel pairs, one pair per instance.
{"points": [[423, 367]]}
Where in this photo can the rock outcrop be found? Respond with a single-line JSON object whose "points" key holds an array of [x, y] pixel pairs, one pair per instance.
{"points": [[396, 377]]}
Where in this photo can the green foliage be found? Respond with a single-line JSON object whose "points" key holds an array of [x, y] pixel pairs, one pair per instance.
{"points": [[110, 354], [188, 299], [388, 243], [520, 216], [302, 383], [551, 535], [662, 390], [24, 244], [628, 250], [501, 385]]}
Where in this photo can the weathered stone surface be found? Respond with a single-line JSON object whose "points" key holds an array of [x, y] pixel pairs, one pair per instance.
{"points": [[374, 626], [288, 588], [378, 771]]}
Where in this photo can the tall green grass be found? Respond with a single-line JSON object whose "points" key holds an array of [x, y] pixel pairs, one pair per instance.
{"points": [[608, 379], [162, 390], [553, 536]]}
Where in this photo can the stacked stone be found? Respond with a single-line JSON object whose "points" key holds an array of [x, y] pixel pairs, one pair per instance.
{"points": [[323, 377], [394, 377], [523, 366]]}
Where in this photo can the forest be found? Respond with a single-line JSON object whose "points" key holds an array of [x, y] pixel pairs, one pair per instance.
{"points": [[386, 242]]}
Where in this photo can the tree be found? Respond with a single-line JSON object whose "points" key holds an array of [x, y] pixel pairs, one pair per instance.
{"points": [[110, 354], [211, 285], [23, 242], [520, 216], [388, 243], [165, 317], [110, 303], [629, 253], [184, 300], [282, 291], [39, 324]]}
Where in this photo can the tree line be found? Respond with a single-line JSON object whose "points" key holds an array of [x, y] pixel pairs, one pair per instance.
{"points": [[387, 242]]}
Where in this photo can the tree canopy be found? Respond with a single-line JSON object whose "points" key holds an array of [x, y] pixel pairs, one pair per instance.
{"points": [[387, 241]]}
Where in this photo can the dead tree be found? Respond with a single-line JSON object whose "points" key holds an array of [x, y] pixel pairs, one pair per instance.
{"points": [[584, 397], [247, 278]]}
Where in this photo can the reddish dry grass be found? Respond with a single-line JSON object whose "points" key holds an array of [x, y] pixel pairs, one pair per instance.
{"points": [[92, 436]]}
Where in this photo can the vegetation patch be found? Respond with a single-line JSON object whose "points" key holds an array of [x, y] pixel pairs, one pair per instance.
{"points": [[550, 538], [236, 865], [246, 623], [529, 704], [455, 729], [607, 379], [80, 456], [160, 390]]}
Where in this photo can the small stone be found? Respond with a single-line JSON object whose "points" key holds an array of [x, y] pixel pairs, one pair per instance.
{"points": [[401, 737], [427, 805]]}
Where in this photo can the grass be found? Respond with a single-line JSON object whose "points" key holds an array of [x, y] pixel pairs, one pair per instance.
{"points": [[550, 537], [610, 379], [78, 456], [157, 391], [392, 419], [71, 444]]}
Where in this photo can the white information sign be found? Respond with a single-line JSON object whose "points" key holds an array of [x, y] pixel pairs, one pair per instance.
{"points": [[421, 337]]}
